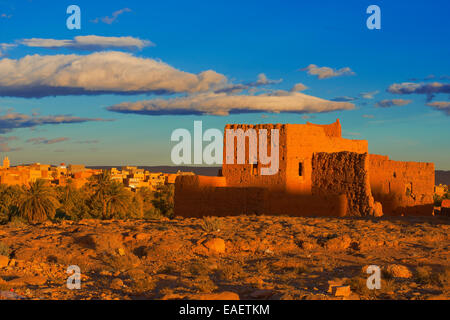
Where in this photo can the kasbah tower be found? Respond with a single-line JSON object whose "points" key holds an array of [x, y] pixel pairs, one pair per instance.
{"points": [[320, 174]]}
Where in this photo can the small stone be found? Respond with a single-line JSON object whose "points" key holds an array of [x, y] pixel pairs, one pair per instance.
{"points": [[341, 291], [116, 284]]}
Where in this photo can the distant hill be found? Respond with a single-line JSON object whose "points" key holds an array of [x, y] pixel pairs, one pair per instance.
{"points": [[442, 177], [202, 171]]}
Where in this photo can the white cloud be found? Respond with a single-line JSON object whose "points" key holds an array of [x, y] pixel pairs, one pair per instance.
{"points": [[91, 42], [5, 47], [299, 87], [368, 95], [99, 73], [223, 104], [327, 72], [113, 18]]}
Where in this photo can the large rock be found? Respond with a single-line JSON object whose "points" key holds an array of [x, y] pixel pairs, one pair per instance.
{"points": [[216, 245], [100, 242], [4, 261], [398, 271], [28, 280]]}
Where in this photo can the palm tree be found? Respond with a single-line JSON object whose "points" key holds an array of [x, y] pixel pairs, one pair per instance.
{"points": [[38, 202], [70, 198], [100, 185], [117, 199]]}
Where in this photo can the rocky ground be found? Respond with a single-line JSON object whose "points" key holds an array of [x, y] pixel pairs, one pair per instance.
{"points": [[247, 257]]}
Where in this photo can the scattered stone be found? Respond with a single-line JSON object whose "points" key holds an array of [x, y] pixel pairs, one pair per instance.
{"points": [[339, 243], [226, 295]]}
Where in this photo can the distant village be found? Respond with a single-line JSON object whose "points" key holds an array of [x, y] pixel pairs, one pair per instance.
{"points": [[132, 178]]}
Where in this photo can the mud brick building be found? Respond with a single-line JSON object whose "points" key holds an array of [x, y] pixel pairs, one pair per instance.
{"points": [[320, 174]]}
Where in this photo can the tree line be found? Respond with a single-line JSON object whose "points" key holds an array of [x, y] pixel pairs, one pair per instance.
{"points": [[101, 198]]}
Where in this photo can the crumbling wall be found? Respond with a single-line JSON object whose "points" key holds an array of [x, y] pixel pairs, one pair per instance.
{"points": [[305, 140], [344, 173], [403, 188]]}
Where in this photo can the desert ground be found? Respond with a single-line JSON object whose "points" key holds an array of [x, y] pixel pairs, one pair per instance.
{"points": [[244, 257]]}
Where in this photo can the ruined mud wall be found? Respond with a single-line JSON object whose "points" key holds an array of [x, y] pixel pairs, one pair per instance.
{"points": [[344, 173], [403, 188], [305, 140]]}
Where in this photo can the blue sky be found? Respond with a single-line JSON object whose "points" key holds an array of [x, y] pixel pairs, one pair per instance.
{"points": [[238, 40]]}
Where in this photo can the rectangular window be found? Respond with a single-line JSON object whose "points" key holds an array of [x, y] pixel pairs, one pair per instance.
{"points": [[255, 169]]}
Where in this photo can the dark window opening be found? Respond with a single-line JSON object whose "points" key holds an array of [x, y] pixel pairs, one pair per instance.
{"points": [[255, 169], [300, 169]]}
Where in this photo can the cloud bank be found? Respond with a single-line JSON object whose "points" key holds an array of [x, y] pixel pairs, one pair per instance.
{"points": [[327, 72], [90, 43], [392, 103], [429, 89], [223, 104], [112, 72], [46, 141], [13, 120]]}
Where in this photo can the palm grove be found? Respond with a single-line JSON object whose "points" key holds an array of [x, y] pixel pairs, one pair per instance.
{"points": [[100, 198]]}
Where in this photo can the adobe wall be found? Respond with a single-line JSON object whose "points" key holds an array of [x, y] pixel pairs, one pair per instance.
{"points": [[197, 196], [344, 173], [403, 188], [238, 175]]}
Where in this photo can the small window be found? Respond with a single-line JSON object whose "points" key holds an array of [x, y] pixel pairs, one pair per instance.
{"points": [[300, 169]]}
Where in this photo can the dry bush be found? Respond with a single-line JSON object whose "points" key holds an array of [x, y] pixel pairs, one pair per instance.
{"points": [[426, 275], [121, 263], [229, 272], [4, 249], [142, 285], [210, 224], [205, 284], [199, 268]]}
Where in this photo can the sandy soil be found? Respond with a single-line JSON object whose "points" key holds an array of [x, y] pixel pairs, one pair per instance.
{"points": [[247, 257]]}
